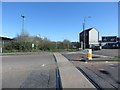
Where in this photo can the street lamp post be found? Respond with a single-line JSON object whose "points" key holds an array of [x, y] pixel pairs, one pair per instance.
{"points": [[23, 19], [84, 31]]}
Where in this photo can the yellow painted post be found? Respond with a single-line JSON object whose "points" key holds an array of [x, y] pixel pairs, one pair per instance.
{"points": [[89, 54]]}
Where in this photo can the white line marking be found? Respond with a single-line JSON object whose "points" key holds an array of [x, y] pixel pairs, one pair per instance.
{"points": [[43, 65]]}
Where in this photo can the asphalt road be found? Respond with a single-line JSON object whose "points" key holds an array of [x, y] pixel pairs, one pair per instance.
{"points": [[39, 70], [29, 71], [103, 74], [108, 52]]}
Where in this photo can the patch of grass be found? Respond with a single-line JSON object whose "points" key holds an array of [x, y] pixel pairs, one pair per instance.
{"points": [[14, 52], [117, 56], [113, 60]]}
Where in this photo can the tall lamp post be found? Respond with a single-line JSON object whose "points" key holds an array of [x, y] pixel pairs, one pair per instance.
{"points": [[84, 30], [23, 19]]}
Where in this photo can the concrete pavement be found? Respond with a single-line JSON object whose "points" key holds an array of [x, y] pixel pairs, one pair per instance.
{"points": [[70, 76]]}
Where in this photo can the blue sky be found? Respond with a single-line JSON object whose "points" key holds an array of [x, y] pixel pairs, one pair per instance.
{"points": [[59, 20]]}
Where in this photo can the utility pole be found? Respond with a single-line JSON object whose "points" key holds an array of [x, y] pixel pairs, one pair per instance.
{"points": [[84, 39], [84, 34]]}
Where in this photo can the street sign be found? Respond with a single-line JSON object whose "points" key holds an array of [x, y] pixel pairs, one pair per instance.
{"points": [[33, 45]]}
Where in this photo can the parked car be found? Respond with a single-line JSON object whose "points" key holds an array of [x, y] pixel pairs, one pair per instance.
{"points": [[94, 47], [112, 45]]}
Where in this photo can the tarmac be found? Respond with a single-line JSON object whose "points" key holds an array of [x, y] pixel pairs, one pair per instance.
{"points": [[95, 57], [70, 76]]}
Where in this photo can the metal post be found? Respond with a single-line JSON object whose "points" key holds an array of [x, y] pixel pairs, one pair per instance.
{"points": [[84, 39], [84, 34], [23, 19]]}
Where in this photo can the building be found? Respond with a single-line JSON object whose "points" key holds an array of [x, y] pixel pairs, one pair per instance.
{"points": [[4, 40], [90, 37]]}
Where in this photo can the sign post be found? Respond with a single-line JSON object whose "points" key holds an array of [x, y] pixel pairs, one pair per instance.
{"points": [[33, 45]]}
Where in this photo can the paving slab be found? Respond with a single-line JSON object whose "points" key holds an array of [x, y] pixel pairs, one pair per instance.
{"points": [[70, 76]]}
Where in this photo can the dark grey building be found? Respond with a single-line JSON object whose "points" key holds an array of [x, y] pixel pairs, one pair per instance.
{"points": [[88, 38]]}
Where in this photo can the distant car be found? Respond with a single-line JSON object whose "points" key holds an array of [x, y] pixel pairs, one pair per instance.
{"points": [[112, 45], [96, 47]]}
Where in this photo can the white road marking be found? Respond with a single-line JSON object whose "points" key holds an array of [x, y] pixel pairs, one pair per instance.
{"points": [[43, 65], [86, 62], [106, 61]]}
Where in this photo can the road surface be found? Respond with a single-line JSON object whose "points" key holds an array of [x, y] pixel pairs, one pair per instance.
{"points": [[108, 52], [103, 74], [29, 71], [39, 71]]}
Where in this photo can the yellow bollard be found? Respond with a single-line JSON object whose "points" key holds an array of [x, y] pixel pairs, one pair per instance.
{"points": [[89, 54]]}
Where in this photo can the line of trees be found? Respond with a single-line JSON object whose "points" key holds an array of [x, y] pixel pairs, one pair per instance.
{"points": [[26, 43]]}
